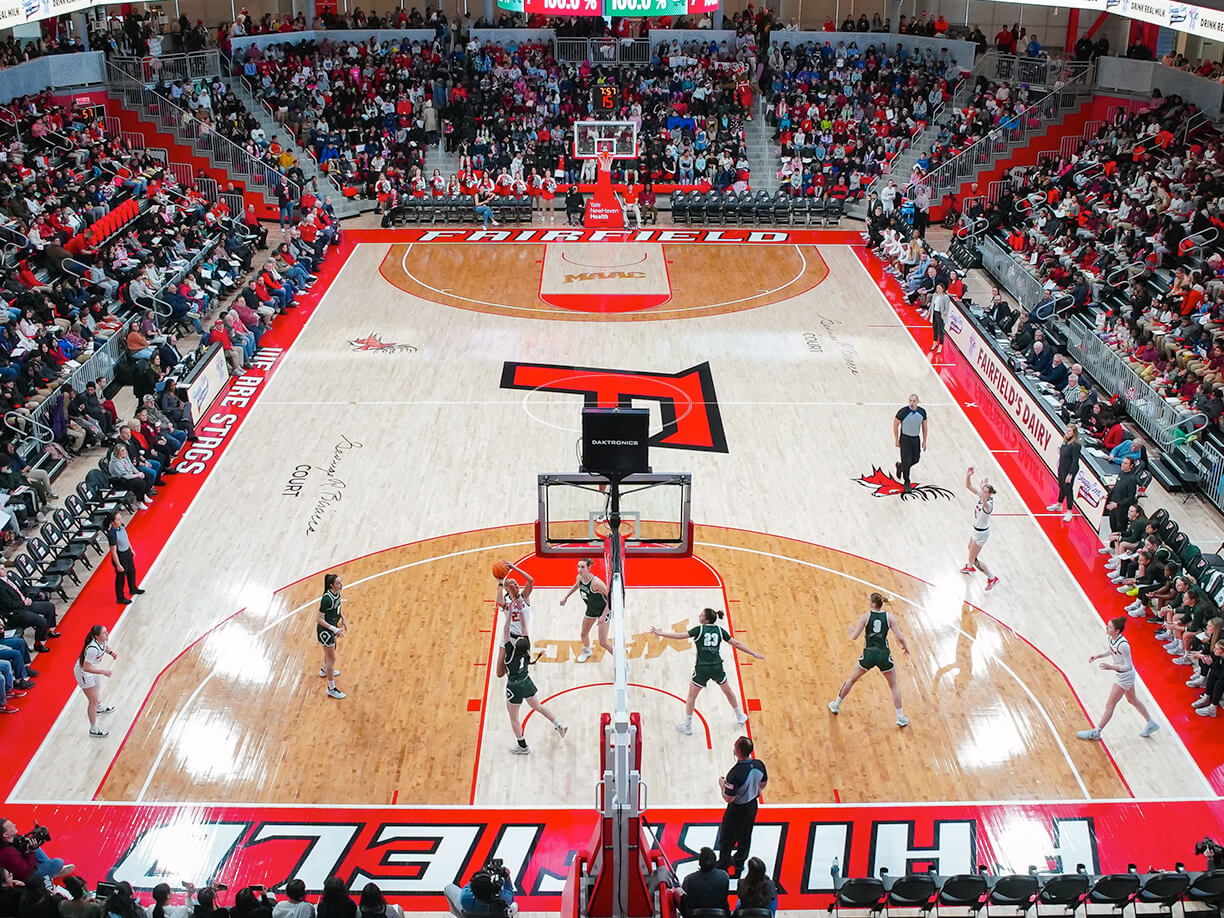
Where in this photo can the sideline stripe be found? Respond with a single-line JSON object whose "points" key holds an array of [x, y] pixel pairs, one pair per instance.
{"points": [[150, 531]]}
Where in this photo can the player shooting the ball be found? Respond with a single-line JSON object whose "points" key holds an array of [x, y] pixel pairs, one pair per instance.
{"points": [[513, 599]]}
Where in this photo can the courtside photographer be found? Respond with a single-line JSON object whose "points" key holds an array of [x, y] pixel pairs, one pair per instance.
{"points": [[489, 892], [23, 857]]}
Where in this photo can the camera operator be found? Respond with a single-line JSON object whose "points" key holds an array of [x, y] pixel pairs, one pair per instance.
{"points": [[1213, 851], [489, 892], [23, 857]]}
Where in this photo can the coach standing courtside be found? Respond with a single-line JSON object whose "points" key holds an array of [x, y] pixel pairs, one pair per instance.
{"points": [[741, 788], [910, 434]]}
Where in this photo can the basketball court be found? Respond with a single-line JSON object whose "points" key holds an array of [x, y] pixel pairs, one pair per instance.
{"points": [[394, 431]]}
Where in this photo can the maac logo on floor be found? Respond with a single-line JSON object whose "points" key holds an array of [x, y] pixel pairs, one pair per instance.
{"points": [[373, 342], [886, 486]]}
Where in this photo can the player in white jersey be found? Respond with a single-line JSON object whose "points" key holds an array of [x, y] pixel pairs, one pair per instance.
{"points": [[1124, 687], [515, 601], [985, 493]]}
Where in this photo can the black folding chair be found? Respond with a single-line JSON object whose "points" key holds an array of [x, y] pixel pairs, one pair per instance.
{"points": [[858, 893], [46, 583], [912, 891], [1205, 890], [1014, 890], [1111, 893], [1160, 892], [1065, 893], [963, 890]]}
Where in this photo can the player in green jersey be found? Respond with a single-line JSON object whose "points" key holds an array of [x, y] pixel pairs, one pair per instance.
{"points": [[598, 609], [876, 655], [329, 626], [709, 637], [512, 665]]}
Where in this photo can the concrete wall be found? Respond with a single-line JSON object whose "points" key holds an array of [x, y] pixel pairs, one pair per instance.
{"points": [[1126, 75], [55, 71]]}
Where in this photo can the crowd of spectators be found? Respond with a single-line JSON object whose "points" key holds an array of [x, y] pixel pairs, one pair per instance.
{"points": [[34, 885], [843, 113], [370, 111], [101, 240]]}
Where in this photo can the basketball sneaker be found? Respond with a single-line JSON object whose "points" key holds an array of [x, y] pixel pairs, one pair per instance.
{"points": [[323, 673], [104, 709], [1068, 516], [334, 692], [990, 584], [902, 720], [516, 749], [835, 705], [584, 655], [1205, 711], [741, 718], [1151, 727], [968, 569], [1196, 681], [685, 727], [1089, 734], [1054, 507], [561, 728], [1200, 701], [98, 731]]}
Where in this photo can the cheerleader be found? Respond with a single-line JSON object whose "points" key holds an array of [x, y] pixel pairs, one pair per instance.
{"points": [[437, 183], [504, 183], [382, 191], [467, 181], [548, 194], [418, 184], [453, 187], [486, 187], [518, 187], [535, 185]]}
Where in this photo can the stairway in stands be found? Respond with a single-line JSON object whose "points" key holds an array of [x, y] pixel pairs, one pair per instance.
{"points": [[763, 161], [344, 207]]}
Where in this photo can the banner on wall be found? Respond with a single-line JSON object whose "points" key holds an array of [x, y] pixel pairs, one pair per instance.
{"points": [[1182, 17], [1039, 429]]}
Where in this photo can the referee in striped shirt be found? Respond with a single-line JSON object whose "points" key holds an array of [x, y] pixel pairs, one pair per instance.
{"points": [[910, 434]]}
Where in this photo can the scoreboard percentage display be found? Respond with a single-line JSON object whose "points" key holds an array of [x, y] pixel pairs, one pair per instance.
{"points": [[610, 8]]}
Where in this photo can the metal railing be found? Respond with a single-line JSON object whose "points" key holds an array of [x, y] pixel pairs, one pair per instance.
{"points": [[170, 68], [253, 172], [1032, 71], [1166, 423], [607, 51], [99, 365], [1012, 274], [947, 177]]}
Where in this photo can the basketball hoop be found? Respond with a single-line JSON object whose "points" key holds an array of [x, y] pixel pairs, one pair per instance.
{"points": [[604, 158]]}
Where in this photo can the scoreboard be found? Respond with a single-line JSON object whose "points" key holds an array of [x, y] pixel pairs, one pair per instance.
{"points": [[610, 8]]}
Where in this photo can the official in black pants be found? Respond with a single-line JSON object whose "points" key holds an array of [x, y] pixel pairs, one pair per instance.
{"points": [[910, 434], [122, 559], [741, 788]]}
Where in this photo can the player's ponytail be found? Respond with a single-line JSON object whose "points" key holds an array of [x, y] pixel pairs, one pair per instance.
{"points": [[710, 616], [878, 600]]}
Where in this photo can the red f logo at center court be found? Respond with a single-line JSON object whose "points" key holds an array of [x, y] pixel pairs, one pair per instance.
{"points": [[686, 399]]}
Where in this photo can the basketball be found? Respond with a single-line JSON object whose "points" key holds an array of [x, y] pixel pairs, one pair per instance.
{"points": [[500, 569]]}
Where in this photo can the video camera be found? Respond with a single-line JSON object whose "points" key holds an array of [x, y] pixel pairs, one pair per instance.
{"points": [[1213, 851], [32, 840]]}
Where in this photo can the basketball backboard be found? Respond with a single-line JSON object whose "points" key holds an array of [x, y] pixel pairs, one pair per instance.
{"points": [[655, 515], [616, 137]]}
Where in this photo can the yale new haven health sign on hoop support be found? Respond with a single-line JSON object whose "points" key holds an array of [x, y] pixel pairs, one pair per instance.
{"points": [[604, 142]]}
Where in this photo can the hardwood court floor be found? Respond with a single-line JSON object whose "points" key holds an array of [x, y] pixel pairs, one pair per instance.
{"points": [[986, 705], [353, 450]]}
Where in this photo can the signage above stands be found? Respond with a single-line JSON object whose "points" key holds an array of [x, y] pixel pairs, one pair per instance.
{"points": [[1182, 17], [619, 9]]}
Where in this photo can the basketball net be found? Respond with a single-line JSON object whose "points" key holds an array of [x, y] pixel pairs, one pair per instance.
{"points": [[604, 158]]}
